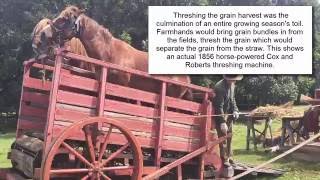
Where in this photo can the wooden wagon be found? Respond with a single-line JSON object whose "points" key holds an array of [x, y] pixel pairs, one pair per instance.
{"points": [[72, 126]]}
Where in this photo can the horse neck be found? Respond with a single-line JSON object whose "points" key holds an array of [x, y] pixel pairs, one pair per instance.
{"points": [[95, 39]]}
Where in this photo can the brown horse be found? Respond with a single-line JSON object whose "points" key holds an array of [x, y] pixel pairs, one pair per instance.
{"points": [[101, 44], [37, 39], [40, 46]]}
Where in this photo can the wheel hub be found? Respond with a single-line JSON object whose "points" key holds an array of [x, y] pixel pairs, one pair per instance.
{"points": [[96, 166]]}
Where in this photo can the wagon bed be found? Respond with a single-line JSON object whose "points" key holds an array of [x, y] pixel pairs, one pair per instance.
{"points": [[164, 129]]}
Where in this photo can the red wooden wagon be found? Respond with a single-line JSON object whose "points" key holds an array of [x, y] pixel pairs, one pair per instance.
{"points": [[75, 127]]}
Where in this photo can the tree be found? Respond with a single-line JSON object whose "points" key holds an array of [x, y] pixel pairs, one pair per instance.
{"points": [[305, 84], [262, 90]]}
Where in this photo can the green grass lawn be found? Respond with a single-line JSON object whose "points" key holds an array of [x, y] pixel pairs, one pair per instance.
{"points": [[5, 143], [296, 170]]}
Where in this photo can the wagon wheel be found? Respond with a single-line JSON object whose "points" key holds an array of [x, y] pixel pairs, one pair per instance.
{"points": [[95, 163]]}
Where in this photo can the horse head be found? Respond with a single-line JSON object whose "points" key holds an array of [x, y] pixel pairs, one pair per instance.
{"points": [[41, 37], [66, 22], [49, 34]]}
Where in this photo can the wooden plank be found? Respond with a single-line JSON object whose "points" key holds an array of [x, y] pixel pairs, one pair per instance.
{"points": [[124, 108], [52, 102], [34, 83], [160, 125], [204, 137], [171, 141], [264, 171], [134, 71], [26, 72], [183, 104], [102, 91], [91, 112], [134, 123], [72, 116], [115, 138], [25, 124], [40, 66], [179, 172], [79, 82], [50, 67], [182, 118], [35, 97], [127, 92], [33, 111], [76, 99], [111, 89], [181, 132], [145, 142], [110, 105]]}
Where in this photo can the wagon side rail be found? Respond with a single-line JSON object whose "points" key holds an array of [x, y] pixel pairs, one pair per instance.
{"points": [[132, 71], [108, 65]]}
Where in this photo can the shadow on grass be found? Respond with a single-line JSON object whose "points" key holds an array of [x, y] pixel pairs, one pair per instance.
{"points": [[263, 156]]}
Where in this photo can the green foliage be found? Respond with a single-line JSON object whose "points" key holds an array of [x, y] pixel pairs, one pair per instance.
{"points": [[283, 90], [305, 84], [261, 90], [205, 81], [125, 36]]}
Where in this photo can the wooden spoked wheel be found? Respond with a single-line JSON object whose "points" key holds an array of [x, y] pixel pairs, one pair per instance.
{"points": [[94, 162]]}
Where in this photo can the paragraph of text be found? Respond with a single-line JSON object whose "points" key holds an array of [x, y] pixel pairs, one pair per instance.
{"points": [[230, 40]]}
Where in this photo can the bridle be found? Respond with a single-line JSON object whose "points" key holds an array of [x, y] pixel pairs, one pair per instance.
{"points": [[57, 32], [76, 28]]}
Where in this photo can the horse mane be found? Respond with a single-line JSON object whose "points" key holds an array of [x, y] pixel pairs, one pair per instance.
{"points": [[88, 22], [106, 34], [39, 27], [69, 10]]}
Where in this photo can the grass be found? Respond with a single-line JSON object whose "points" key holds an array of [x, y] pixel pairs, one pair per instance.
{"points": [[5, 144], [296, 170]]}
